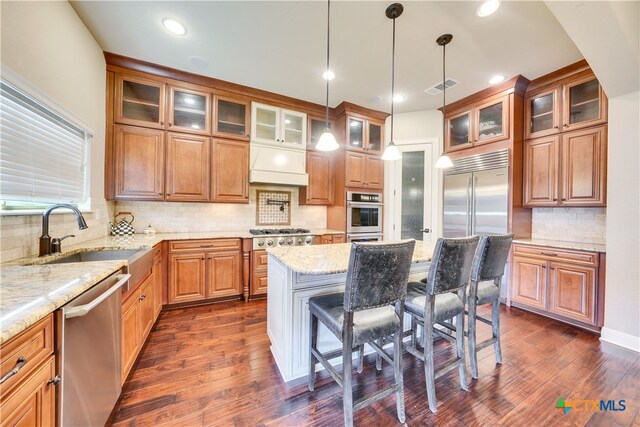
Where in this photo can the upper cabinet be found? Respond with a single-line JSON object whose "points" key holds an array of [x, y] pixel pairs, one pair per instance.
{"points": [[316, 128], [573, 103], [364, 135], [231, 119], [481, 122], [277, 126], [189, 111], [140, 102]]}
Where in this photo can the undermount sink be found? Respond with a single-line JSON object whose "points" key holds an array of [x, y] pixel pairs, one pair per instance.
{"points": [[96, 255]]}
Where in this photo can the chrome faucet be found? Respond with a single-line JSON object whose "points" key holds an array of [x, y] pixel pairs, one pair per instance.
{"points": [[46, 247]]}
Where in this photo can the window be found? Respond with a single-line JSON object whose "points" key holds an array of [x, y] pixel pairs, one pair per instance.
{"points": [[43, 155]]}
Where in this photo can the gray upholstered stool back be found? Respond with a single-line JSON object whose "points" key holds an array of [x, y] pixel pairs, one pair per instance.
{"points": [[491, 257], [378, 274], [451, 264]]}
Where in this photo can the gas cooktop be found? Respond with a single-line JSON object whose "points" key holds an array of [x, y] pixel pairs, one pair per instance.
{"points": [[277, 231]]}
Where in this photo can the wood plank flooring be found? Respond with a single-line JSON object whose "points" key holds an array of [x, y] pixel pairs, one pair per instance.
{"points": [[211, 366]]}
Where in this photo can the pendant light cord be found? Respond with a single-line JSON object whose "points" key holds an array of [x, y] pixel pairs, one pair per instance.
{"points": [[327, 70], [444, 93], [393, 74]]}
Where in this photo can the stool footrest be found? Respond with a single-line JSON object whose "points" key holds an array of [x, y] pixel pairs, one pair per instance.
{"points": [[380, 394]]}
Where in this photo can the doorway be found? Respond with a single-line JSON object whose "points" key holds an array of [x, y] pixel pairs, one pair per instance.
{"points": [[410, 197]]}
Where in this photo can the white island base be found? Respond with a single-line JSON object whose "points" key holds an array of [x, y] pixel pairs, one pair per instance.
{"points": [[298, 273]]}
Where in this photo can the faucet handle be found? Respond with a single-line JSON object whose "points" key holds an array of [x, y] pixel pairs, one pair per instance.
{"points": [[56, 243]]}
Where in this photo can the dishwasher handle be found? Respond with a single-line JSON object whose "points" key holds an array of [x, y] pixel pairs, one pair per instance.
{"points": [[82, 310]]}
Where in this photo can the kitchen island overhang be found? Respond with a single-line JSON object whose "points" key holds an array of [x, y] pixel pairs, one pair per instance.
{"points": [[296, 274]]}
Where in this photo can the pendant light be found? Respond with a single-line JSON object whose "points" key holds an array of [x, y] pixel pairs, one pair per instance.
{"points": [[327, 141], [392, 12], [444, 162]]}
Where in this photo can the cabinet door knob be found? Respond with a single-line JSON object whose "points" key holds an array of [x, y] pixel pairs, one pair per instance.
{"points": [[202, 258], [565, 125], [159, 194], [544, 266], [555, 200], [55, 380], [169, 124], [552, 268], [162, 122], [557, 127], [563, 199], [167, 194]]}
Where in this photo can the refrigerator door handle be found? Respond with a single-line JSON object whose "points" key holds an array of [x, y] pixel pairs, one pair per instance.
{"points": [[469, 205], [473, 204]]}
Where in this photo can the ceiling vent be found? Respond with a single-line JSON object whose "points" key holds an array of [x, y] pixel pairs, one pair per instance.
{"points": [[437, 89]]}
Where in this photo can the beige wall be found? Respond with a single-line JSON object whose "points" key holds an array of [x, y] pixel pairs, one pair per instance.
{"points": [[622, 297], [48, 46]]}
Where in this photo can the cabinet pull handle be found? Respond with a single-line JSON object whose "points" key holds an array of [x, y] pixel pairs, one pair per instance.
{"points": [[206, 246], [19, 365], [563, 199], [549, 254], [555, 200], [157, 252], [55, 380], [142, 297]]}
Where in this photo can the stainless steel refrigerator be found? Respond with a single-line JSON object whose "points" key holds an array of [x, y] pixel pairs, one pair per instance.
{"points": [[476, 194]]}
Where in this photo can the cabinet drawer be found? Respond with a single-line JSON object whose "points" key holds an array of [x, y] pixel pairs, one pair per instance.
{"points": [[199, 245], [577, 257], [34, 345], [157, 254], [260, 260]]}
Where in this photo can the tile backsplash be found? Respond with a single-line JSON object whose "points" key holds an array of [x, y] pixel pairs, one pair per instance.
{"points": [[188, 217], [586, 225], [19, 234]]}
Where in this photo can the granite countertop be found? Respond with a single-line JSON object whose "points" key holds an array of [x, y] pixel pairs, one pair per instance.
{"points": [[592, 247], [30, 293], [328, 259]]}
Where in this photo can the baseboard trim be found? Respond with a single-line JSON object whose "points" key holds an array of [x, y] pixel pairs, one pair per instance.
{"points": [[620, 338]]}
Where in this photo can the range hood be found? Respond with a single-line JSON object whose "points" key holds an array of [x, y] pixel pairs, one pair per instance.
{"points": [[277, 165]]}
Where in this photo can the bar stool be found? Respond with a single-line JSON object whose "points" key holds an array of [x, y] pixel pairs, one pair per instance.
{"points": [[376, 279], [442, 298], [486, 277]]}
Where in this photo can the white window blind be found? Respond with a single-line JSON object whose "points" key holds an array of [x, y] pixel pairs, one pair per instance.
{"points": [[42, 154]]}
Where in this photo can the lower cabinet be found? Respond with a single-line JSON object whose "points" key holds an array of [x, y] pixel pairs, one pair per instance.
{"points": [[259, 265], [559, 283], [327, 239], [28, 366], [204, 269]]}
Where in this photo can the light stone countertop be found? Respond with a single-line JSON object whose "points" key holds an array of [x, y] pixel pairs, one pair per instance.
{"points": [[30, 293], [592, 247], [329, 259]]}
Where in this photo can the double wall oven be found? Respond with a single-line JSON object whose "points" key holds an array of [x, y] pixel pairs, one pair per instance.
{"points": [[364, 217]]}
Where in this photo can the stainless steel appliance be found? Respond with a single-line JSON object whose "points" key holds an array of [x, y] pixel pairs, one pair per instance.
{"points": [[364, 237], [90, 329], [364, 213], [476, 194], [274, 237]]}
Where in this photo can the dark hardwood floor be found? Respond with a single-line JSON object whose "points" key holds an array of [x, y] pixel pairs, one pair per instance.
{"points": [[211, 365]]}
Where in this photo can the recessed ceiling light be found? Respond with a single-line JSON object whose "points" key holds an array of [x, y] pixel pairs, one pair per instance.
{"points": [[487, 8], [328, 75], [497, 79], [398, 97], [174, 26]]}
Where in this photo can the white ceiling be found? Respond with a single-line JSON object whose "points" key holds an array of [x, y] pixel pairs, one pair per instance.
{"points": [[280, 46]]}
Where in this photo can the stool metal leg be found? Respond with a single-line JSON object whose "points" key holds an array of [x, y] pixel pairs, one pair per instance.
{"points": [[473, 355], [495, 326], [347, 362], [360, 358], [313, 342], [397, 365]]}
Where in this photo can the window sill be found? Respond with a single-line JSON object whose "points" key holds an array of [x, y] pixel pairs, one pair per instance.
{"points": [[40, 212]]}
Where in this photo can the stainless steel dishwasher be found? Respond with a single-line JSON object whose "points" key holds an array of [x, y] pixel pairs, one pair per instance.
{"points": [[90, 329]]}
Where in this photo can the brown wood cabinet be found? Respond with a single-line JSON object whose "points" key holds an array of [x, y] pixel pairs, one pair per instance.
{"points": [[131, 341], [232, 117], [140, 101], [259, 274], [560, 283], [364, 134], [320, 188], [139, 163], [230, 171], [364, 171], [328, 239], [187, 168], [572, 165], [28, 396], [204, 269], [479, 123], [158, 276], [189, 110]]}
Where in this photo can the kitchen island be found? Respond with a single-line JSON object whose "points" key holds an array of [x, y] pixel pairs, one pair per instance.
{"points": [[299, 273]]}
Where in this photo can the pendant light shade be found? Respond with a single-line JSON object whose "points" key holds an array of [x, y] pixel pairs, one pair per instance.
{"points": [[327, 141], [392, 12], [444, 161]]}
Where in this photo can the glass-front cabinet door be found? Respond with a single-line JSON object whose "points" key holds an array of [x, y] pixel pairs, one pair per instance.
{"points": [[231, 118], [189, 111], [140, 102], [316, 128], [355, 131], [542, 114], [458, 131], [293, 128], [374, 140], [492, 121], [584, 104], [264, 123]]}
